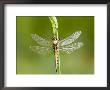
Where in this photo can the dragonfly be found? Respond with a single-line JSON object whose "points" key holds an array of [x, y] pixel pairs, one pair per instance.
{"points": [[67, 45]]}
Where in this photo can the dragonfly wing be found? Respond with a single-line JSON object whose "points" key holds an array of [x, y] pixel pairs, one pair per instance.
{"points": [[72, 47], [40, 40], [70, 39], [40, 50]]}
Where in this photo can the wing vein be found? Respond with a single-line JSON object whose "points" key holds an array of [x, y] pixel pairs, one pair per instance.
{"points": [[70, 39]]}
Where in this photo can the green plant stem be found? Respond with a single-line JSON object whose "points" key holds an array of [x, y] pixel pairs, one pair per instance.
{"points": [[54, 23], [59, 70]]}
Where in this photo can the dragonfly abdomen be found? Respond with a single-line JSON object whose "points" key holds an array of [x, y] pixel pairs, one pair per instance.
{"points": [[56, 53], [56, 57]]}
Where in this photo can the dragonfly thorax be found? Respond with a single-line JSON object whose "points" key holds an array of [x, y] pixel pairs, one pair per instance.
{"points": [[55, 43]]}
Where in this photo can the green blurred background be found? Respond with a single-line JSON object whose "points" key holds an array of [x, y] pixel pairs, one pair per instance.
{"points": [[80, 61]]}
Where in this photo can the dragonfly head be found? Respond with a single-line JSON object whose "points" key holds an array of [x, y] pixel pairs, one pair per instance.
{"points": [[55, 42]]}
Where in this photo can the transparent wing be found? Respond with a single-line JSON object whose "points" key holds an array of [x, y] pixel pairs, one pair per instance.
{"points": [[70, 39], [41, 50], [70, 48], [40, 40]]}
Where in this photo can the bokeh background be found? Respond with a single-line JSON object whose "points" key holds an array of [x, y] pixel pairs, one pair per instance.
{"points": [[80, 61]]}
